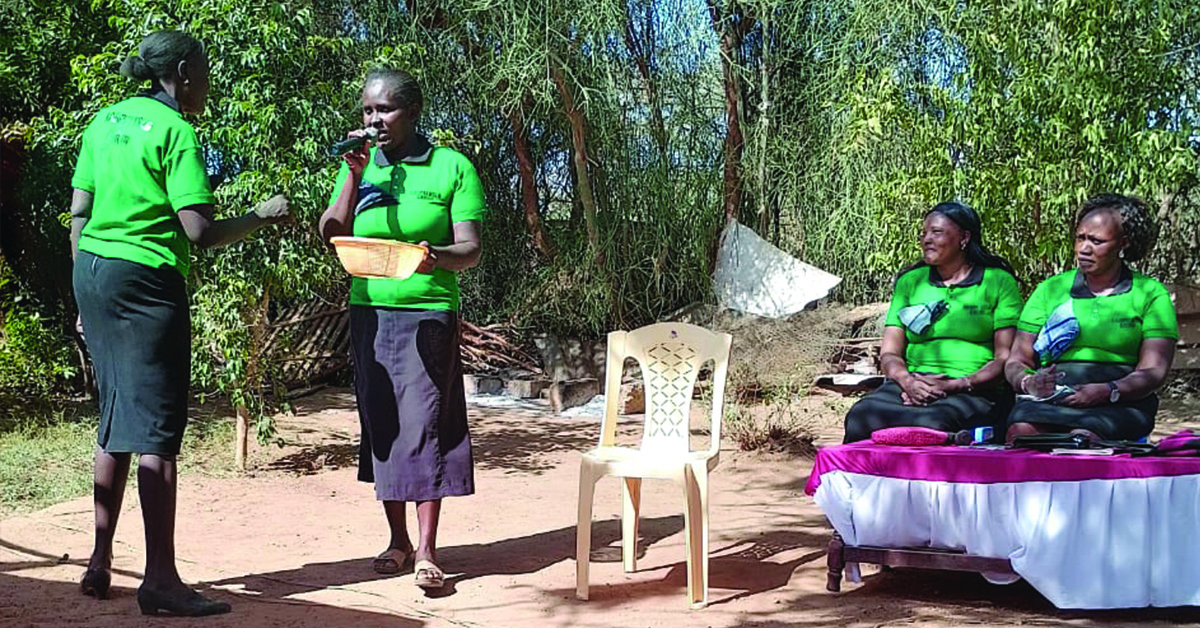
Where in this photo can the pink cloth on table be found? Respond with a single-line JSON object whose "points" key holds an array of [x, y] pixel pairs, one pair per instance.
{"points": [[983, 466]]}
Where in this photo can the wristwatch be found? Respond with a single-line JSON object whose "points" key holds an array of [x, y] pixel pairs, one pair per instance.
{"points": [[1114, 394]]}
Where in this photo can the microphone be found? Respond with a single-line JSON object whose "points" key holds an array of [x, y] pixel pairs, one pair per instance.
{"points": [[969, 437], [354, 143]]}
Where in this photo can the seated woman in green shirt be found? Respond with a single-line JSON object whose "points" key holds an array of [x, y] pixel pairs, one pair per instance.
{"points": [[1102, 330], [947, 334]]}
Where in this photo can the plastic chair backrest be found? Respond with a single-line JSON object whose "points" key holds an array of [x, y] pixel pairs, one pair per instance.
{"points": [[670, 356]]}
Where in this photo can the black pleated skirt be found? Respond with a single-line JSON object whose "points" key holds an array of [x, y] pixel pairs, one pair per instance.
{"points": [[138, 331]]}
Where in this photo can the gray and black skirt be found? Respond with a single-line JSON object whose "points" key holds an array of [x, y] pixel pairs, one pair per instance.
{"points": [[411, 404]]}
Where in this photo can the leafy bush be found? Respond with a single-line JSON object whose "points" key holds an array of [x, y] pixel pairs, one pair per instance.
{"points": [[35, 360]]}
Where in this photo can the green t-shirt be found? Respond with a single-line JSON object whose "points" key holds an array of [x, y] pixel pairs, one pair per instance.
{"points": [[961, 340], [418, 199], [141, 162], [1111, 327]]}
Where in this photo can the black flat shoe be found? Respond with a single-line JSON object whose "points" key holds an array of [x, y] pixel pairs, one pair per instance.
{"points": [[193, 605], [95, 583]]}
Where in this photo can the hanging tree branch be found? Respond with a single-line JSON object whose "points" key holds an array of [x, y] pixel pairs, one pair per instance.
{"points": [[526, 169], [437, 19], [641, 58], [580, 155]]}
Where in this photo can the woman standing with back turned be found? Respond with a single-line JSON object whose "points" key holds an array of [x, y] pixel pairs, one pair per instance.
{"points": [[141, 199]]}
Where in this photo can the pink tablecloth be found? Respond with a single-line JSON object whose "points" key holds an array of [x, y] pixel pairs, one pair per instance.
{"points": [[983, 466]]}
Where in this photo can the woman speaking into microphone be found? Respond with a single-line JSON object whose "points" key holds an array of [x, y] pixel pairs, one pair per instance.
{"points": [[404, 332]]}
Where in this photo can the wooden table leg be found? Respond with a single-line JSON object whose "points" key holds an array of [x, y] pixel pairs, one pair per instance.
{"points": [[836, 562]]}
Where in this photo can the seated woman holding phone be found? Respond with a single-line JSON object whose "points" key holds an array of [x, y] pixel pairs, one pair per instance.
{"points": [[1095, 343]]}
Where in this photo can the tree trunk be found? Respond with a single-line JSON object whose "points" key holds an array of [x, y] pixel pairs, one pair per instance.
{"points": [[529, 195], [576, 217], [241, 444], [253, 382], [764, 131], [731, 43], [579, 157]]}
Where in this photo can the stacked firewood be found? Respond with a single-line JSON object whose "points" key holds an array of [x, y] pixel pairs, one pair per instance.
{"points": [[488, 349]]}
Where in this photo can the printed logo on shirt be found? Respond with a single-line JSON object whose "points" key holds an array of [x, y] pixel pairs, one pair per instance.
{"points": [[124, 126], [426, 195], [1130, 322]]}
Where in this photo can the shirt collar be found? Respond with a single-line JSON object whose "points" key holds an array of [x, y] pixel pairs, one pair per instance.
{"points": [[418, 151], [973, 278], [1081, 290], [163, 97]]}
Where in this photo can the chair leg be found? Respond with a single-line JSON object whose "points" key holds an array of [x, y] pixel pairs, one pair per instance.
{"points": [[696, 532], [632, 499], [583, 530]]}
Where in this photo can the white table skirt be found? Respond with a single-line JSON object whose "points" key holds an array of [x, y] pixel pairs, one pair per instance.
{"points": [[1095, 544]]}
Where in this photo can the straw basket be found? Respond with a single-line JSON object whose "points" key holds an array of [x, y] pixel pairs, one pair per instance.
{"points": [[374, 257]]}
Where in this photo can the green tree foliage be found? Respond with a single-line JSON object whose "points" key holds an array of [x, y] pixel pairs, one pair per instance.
{"points": [[599, 128], [1023, 109]]}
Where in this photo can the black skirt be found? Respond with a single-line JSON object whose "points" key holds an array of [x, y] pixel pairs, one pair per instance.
{"points": [[411, 404], [883, 408], [138, 331], [1126, 420]]}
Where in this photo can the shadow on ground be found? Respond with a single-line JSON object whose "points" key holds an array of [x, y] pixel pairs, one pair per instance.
{"points": [[25, 601], [520, 555]]}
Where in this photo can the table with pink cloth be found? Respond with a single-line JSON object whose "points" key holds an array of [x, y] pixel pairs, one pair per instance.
{"points": [[1085, 531]]}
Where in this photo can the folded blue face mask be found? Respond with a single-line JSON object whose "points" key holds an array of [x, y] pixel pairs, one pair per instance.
{"points": [[918, 318], [1061, 329]]}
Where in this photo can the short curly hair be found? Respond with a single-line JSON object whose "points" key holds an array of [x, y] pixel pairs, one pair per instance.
{"points": [[1137, 225]]}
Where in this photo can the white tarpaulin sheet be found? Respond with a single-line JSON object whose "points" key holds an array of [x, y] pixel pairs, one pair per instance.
{"points": [[755, 277]]}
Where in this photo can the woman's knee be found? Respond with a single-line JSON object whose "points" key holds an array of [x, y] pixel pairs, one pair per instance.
{"points": [[1020, 429], [858, 427]]}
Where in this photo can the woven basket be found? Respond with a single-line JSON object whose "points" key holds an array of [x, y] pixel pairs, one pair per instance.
{"points": [[374, 257]]}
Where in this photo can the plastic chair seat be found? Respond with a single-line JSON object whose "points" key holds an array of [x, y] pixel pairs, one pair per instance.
{"points": [[629, 462], [670, 355]]}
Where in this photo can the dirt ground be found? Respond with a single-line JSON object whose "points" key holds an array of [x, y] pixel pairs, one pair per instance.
{"points": [[290, 545]]}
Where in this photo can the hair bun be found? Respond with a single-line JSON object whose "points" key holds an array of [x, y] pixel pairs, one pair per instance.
{"points": [[135, 67]]}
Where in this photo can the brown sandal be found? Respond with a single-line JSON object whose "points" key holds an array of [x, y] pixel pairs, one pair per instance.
{"points": [[392, 561]]}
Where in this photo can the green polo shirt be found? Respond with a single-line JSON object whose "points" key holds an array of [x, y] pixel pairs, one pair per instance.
{"points": [[1111, 327], [142, 162], [963, 339], [415, 200]]}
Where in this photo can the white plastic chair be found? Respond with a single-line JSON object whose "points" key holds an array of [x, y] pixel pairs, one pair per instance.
{"points": [[670, 356]]}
